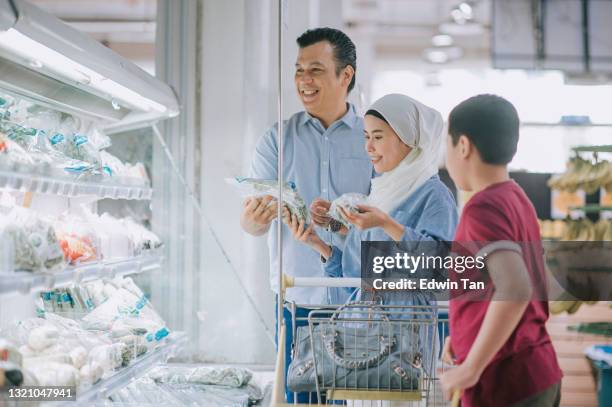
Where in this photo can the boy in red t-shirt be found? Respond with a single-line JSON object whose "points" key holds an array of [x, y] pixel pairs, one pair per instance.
{"points": [[499, 342]]}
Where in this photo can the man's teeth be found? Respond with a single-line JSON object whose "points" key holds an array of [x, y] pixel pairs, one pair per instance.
{"points": [[309, 92]]}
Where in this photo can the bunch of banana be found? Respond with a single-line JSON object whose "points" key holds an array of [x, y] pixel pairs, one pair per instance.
{"points": [[581, 230], [582, 174], [566, 303], [552, 229]]}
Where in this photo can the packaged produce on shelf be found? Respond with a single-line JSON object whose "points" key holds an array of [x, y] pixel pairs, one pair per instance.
{"points": [[122, 302], [142, 237], [210, 379], [34, 241], [9, 352], [249, 187], [12, 154], [45, 139], [348, 202], [78, 240], [115, 167], [58, 351], [583, 174], [113, 239]]}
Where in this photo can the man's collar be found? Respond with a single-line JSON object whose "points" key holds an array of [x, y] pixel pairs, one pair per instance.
{"points": [[349, 118]]}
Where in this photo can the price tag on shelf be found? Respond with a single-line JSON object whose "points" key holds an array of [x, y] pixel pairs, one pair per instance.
{"points": [[606, 200]]}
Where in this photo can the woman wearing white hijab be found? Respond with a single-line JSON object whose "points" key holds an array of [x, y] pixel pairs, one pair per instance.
{"points": [[408, 202]]}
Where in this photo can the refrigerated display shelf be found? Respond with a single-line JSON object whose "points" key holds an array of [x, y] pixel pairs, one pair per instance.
{"points": [[46, 184], [135, 370], [25, 282]]}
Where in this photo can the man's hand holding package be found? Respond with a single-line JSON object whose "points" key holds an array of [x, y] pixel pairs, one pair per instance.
{"points": [[258, 213]]}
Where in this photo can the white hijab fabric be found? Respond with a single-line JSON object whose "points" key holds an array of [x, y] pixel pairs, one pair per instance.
{"points": [[419, 127]]}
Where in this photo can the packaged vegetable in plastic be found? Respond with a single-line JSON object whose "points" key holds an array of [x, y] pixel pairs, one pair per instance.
{"points": [[9, 352], [53, 373], [348, 202], [258, 187], [34, 241], [142, 238], [109, 357], [114, 239], [78, 240], [91, 373], [43, 337]]}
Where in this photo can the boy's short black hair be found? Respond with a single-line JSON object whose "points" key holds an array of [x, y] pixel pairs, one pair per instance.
{"points": [[491, 123], [344, 49]]}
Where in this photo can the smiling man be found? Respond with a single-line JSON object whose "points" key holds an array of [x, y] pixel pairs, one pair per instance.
{"points": [[323, 153]]}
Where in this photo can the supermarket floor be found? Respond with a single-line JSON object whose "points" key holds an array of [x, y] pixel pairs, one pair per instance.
{"points": [[578, 388]]}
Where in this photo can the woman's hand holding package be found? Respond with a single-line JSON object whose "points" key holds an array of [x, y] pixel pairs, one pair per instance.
{"points": [[371, 217], [305, 234], [318, 211]]}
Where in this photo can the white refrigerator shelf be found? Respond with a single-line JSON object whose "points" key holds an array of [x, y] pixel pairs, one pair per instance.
{"points": [[43, 183], [25, 282]]}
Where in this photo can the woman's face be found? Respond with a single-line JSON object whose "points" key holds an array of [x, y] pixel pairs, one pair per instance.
{"points": [[382, 144]]}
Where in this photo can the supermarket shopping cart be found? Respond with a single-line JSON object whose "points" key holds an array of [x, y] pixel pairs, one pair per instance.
{"points": [[365, 353]]}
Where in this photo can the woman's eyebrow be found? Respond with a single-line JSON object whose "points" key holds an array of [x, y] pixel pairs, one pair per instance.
{"points": [[377, 131]]}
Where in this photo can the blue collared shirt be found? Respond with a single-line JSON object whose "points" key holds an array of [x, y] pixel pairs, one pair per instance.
{"points": [[323, 163]]}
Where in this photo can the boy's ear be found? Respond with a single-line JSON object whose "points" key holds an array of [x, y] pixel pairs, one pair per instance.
{"points": [[465, 147]]}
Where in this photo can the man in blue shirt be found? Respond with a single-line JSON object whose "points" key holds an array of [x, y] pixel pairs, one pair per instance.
{"points": [[323, 154]]}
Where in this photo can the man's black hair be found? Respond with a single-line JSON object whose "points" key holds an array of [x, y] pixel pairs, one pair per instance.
{"points": [[344, 49], [491, 123], [376, 114]]}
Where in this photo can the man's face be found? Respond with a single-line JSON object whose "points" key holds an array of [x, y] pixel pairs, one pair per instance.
{"points": [[318, 86]]}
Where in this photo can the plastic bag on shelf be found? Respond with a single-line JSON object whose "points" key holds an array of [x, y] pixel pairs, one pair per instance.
{"points": [[114, 239], [9, 352], [348, 202], [78, 241], [35, 243], [142, 238], [52, 373], [249, 187]]}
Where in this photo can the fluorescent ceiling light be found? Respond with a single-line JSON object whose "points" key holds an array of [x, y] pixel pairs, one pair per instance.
{"points": [[45, 59], [458, 30]]}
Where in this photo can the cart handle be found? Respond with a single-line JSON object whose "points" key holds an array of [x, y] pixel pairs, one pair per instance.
{"points": [[340, 282]]}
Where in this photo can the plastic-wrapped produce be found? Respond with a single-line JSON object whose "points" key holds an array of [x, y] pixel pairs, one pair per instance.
{"points": [[109, 357], [114, 239], [34, 241], [228, 381], [53, 373], [348, 202], [142, 237], [259, 187], [43, 337], [225, 376], [9, 352], [91, 373], [78, 241]]}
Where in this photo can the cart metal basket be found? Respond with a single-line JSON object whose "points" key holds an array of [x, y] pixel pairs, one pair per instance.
{"points": [[365, 353]]}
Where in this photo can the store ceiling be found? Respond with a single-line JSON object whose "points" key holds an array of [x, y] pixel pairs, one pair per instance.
{"points": [[111, 21], [401, 26]]}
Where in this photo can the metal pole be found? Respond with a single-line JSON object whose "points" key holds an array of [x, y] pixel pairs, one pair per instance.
{"points": [[279, 222]]}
